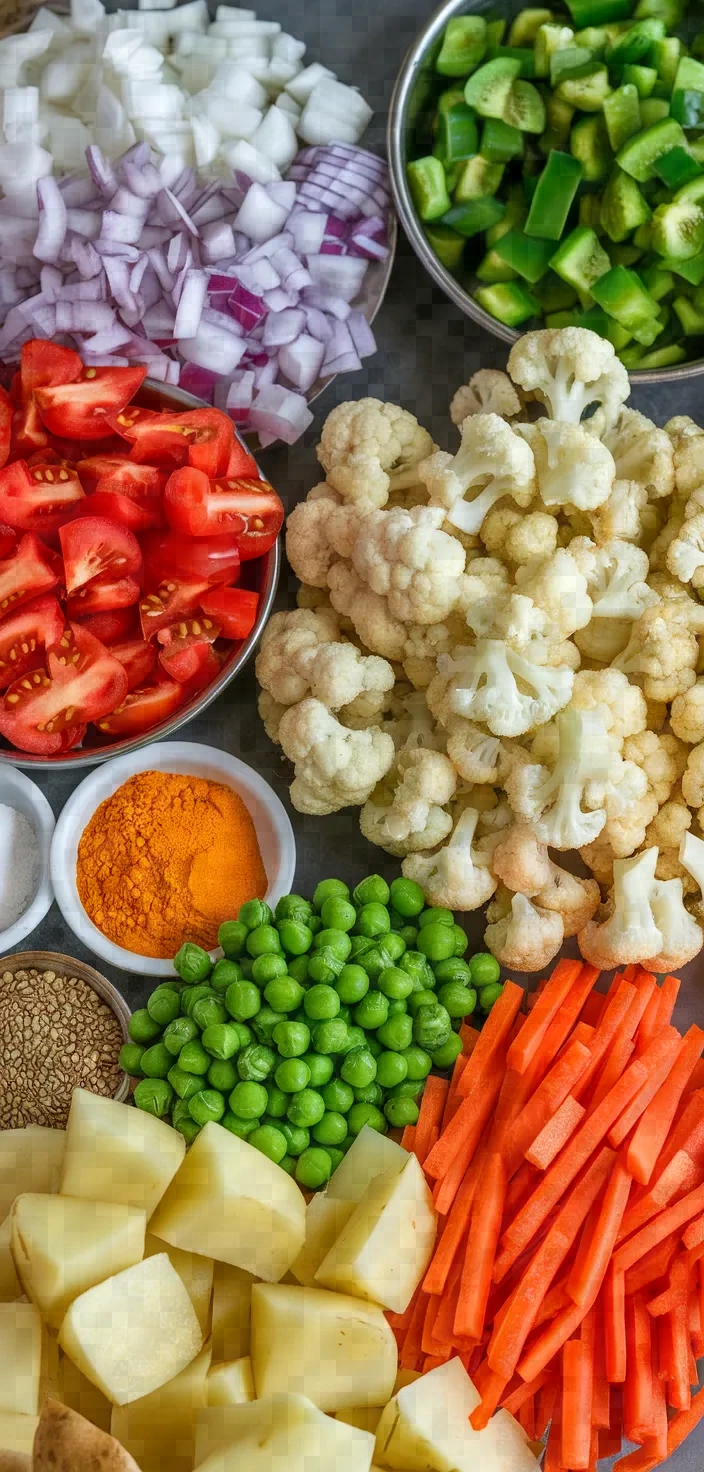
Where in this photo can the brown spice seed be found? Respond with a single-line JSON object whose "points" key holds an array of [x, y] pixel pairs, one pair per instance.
{"points": [[56, 1033]]}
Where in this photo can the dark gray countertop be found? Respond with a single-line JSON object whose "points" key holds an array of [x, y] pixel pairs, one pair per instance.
{"points": [[426, 349]]}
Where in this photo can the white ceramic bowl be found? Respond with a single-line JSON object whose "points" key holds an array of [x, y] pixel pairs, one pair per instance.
{"points": [[19, 792], [188, 758]]}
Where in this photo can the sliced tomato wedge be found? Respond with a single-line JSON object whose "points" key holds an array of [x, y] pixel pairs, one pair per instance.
{"points": [[94, 547], [31, 569], [137, 516], [152, 442], [249, 509], [202, 438], [39, 498], [8, 540], [168, 554], [119, 473], [172, 601], [144, 708], [241, 463], [103, 595], [194, 666], [25, 635], [28, 432], [78, 410], [44, 364], [210, 436], [235, 610], [112, 626], [81, 682], [138, 657], [6, 416]]}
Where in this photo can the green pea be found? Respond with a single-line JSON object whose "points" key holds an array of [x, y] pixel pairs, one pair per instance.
{"points": [[361, 1114], [288, 1164], [179, 1112], [193, 1057], [336, 1155], [326, 889], [193, 995], [373, 920], [256, 1062], [156, 1061], [291, 1038], [221, 1040], [356, 1038], [269, 1141], [264, 941], [314, 924], [409, 1089], [385, 953], [445, 1056], [457, 999], [266, 968], [293, 907], [409, 934], [254, 914], [461, 940], [192, 963], [185, 1084], [130, 1058], [206, 1106], [142, 1028], [432, 1027], [182, 1030], [164, 1005], [331, 1129], [352, 984], [372, 1011], [284, 994], [222, 1075], [189, 1129], [154, 1096], [324, 966], [397, 1033], [369, 1094], [359, 1068], [306, 1108], [330, 1037], [344, 1014], [265, 1022], [338, 914], [313, 1168], [292, 1075], [246, 965], [224, 973], [185, 999], [391, 1068], [489, 994], [454, 969], [401, 1112], [418, 1000], [437, 942], [237, 1126], [434, 915], [244, 1033], [485, 969], [397, 921], [248, 1100], [371, 891], [277, 1101], [296, 937], [232, 936], [298, 969], [395, 983], [338, 1096], [397, 1006], [418, 1062], [337, 941], [209, 1012], [321, 1068], [407, 897], [419, 969], [359, 946], [321, 1002], [297, 1137]]}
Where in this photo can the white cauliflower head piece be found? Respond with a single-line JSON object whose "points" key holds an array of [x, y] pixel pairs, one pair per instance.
{"points": [[488, 392], [368, 612], [427, 779], [405, 557], [334, 767], [616, 574], [557, 585], [630, 934], [573, 468], [568, 370], [308, 546], [493, 684], [458, 877], [527, 938], [521, 861], [641, 451], [575, 899], [368, 448], [297, 659], [492, 462], [682, 938]]}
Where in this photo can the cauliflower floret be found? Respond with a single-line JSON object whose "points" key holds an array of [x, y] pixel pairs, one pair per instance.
{"points": [[630, 934], [682, 938], [300, 655], [311, 597], [475, 752], [602, 641], [666, 831], [687, 714], [688, 442], [533, 536], [685, 554], [616, 574], [367, 708], [491, 462], [662, 757], [334, 767], [667, 535], [571, 897], [343, 527], [620, 706], [569, 369], [521, 861], [410, 723], [458, 877], [368, 448], [691, 856], [573, 468], [405, 557], [599, 856], [372, 822], [642, 452], [557, 585], [424, 642], [426, 779], [663, 649], [271, 712], [498, 524], [693, 778], [368, 612], [488, 392], [495, 684], [528, 938], [625, 515], [486, 591], [308, 546]]}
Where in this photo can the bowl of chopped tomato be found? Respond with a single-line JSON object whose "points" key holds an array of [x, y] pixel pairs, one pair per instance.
{"points": [[139, 558]]}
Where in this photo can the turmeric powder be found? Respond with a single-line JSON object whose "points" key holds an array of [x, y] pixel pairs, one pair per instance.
{"points": [[166, 859]]}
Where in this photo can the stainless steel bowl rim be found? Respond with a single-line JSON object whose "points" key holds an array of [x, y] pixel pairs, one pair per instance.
{"points": [[396, 146]]}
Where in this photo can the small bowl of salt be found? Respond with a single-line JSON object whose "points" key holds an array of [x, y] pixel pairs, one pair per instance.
{"points": [[26, 827]]}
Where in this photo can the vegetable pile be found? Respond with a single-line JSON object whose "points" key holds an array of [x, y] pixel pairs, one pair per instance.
{"points": [[568, 1169], [323, 1017], [572, 160], [153, 513], [496, 654]]}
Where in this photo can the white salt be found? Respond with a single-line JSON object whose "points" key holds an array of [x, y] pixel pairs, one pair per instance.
{"points": [[19, 865]]}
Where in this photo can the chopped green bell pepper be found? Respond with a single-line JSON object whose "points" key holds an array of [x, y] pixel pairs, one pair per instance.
{"points": [[447, 245], [669, 11], [526, 25], [665, 357], [687, 101], [690, 317], [568, 61], [457, 135], [622, 115], [665, 56], [623, 207], [580, 259], [527, 256], [653, 110], [464, 43], [492, 268], [558, 121], [635, 44], [525, 108], [524, 55], [658, 281], [586, 88], [500, 142], [508, 302], [474, 216], [622, 294], [691, 271], [640, 154], [477, 179], [589, 142], [488, 89], [426, 181], [553, 197], [553, 294], [549, 40], [678, 230], [597, 12], [643, 78]]}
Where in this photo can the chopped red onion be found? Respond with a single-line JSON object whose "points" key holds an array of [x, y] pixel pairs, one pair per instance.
{"points": [[318, 324], [199, 381], [280, 412], [239, 397], [266, 373], [301, 361], [218, 241], [101, 171], [334, 306], [247, 309], [52, 221], [260, 216], [340, 350], [308, 230], [191, 303], [283, 327], [278, 299]]}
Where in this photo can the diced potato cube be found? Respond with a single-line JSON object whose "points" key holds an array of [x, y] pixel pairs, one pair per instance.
{"points": [[371, 1155], [195, 1272], [325, 1218], [232, 1312], [336, 1350], [160, 1429], [135, 1331], [20, 1358], [231, 1384], [62, 1246], [116, 1153], [426, 1425], [31, 1159], [284, 1432], [79, 1394], [505, 1446], [66, 1442], [17, 1432], [383, 1251], [9, 1281], [230, 1200]]}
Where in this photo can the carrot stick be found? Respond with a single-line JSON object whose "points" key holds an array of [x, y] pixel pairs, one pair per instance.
{"points": [[697, 1080], [601, 1397], [431, 1313], [682, 1425], [408, 1137], [455, 1229], [592, 1008], [555, 1134], [614, 1067], [626, 975], [453, 1101], [655, 1264], [541, 1351], [491, 1388], [687, 1129], [553, 1455], [638, 1387], [615, 1010], [645, 984], [540, 1109], [411, 1352], [583, 1285], [610, 1440], [554, 1302], [669, 993], [655, 1124], [680, 1176], [568, 1014], [577, 1380], [679, 1389], [512, 1403], [431, 1109], [615, 1327], [673, 1217], [469, 1037], [526, 1418], [467, 1124], [547, 1401], [526, 1045], [484, 1228], [661, 1055], [675, 1297], [649, 1025], [493, 1037]]}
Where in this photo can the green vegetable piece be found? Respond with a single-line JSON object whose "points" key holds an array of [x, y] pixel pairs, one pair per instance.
{"points": [[330, 1037], [525, 108], [359, 1068], [243, 1000], [665, 56], [395, 983], [500, 142], [471, 218], [635, 44], [457, 999], [457, 136], [587, 88], [154, 1096], [224, 973], [193, 1058], [691, 270], [622, 115], [292, 1039], [580, 259], [338, 914], [241, 1127], [525, 255], [352, 984], [277, 1101], [640, 154], [164, 1005], [598, 12], [401, 1112], [206, 1106], [313, 1168], [653, 110], [338, 1095], [488, 995], [297, 1137], [366, 1114], [687, 101], [255, 913], [435, 915], [567, 61], [484, 969], [558, 121], [491, 268], [391, 1069], [658, 282], [296, 937], [208, 1012], [321, 1002], [327, 887], [372, 891], [320, 1067], [396, 1033], [270, 1141], [231, 937], [436, 942], [525, 26], [623, 207], [192, 963], [445, 1057], [670, 12], [643, 78], [488, 90], [419, 969], [265, 1022], [306, 1108], [266, 968], [372, 1011], [292, 1075], [331, 1129], [256, 1062], [553, 198], [550, 38], [461, 940], [185, 1084], [373, 920], [691, 193], [495, 32], [293, 907], [222, 1075], [677, 168], [524, 55], [142, 1028], [508, 302], [130, 1058], [248, 1100], [622, 295], [689, 316], [554, 295], [432, 1027], [678, 230], [371, 1093], [263, 941], [665, 357], [221, 1040], [463, 46], [284, 994]]}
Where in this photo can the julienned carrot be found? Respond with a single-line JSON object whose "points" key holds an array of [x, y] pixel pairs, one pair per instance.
{"points": [[492, 1039], [676, 1295], [453, 1100], [694, 1235], [550, 1342], [577, 1376], [526, 1045], [459, 1141], [681, 1372], [491, 1387], [453, 1233], [615, 1065], [611, 1020], [411, 1351], [553, 1453], [431, 1313], [601, 1396], [408, 1137], [583, 1285], [431, 1109], [484, 1228], [567, 1015], [592, 1008], [653, 1265], [512, 1403], [656, 1122], [689, 1128], [673, 1217], [614, 1300], [541, 1108], [645, 984], [661, 1054], [638, 1407], [526, 1417], [444, 1323], [555, 1134], [626, 975], [649, 1023], [680, 1176], [669, 992]]}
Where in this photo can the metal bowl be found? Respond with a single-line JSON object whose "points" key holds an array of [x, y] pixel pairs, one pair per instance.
{"points": [[262, 576], [410, 100]]}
